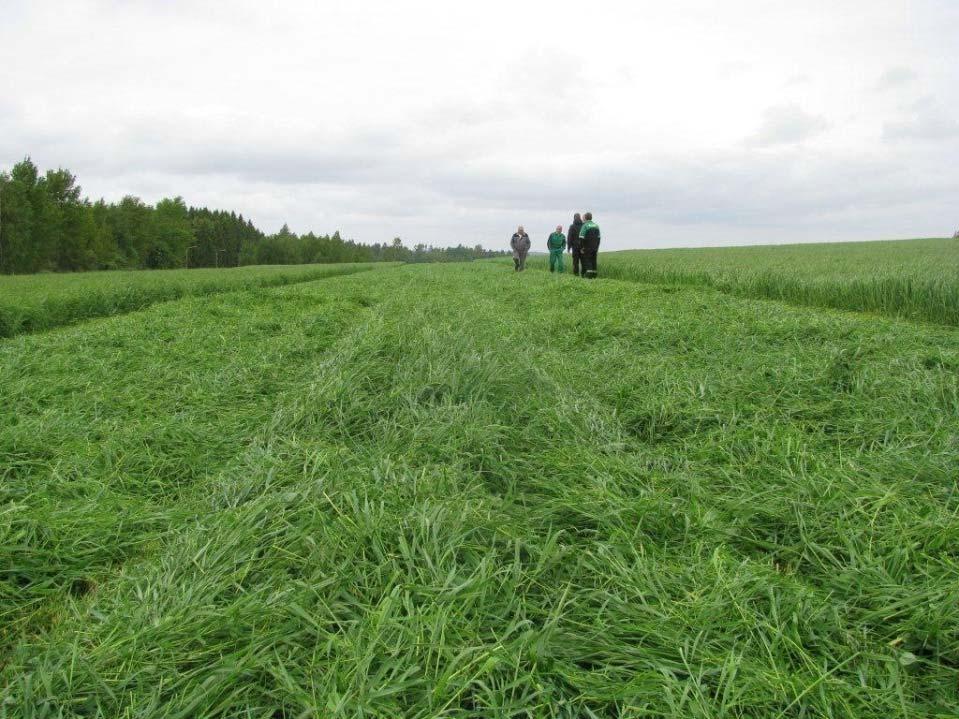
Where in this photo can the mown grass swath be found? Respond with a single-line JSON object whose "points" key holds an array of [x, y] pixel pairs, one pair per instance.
{"points": [[36, 302], [918, 279], [418, 492]]}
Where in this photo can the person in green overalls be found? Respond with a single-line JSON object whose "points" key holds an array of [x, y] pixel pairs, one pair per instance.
{"points": [[556, 244], [589, 237]]}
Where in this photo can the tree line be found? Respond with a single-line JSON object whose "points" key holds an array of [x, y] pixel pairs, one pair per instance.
{"points": [[45, 225]]}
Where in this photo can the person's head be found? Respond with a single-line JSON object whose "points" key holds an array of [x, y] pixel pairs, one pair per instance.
{"points": [[559, 228], [588, 216], [520, 230], [577, 218]]}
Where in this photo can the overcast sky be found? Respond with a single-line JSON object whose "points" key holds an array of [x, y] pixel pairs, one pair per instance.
{"points": [[692, 122]]}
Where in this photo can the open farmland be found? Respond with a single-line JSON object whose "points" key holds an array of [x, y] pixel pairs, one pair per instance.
{"points": [[37, 302], [454, 490], [917, 279]]}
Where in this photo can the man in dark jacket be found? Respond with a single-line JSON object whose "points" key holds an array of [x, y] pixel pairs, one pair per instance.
{"points": [[589, 236], [573, 244], [520, 245]]}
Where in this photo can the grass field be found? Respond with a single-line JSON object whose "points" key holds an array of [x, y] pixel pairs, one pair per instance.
{"points": [[917, 279], [457, 491], [29, 303]]}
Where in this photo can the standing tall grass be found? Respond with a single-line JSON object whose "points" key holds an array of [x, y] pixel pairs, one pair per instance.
{"points": [[30, 303], [916, 279]]}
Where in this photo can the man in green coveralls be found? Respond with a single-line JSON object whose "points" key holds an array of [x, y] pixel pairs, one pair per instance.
{"points": [[556, 244], [589, 236]]}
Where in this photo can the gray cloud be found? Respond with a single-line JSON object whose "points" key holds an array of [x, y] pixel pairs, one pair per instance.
{"points": [[386, 177], [787, 124], [928, 122], [896, 77]]}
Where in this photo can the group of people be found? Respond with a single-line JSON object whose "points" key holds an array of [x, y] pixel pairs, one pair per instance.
{"points": [[581, 241]]}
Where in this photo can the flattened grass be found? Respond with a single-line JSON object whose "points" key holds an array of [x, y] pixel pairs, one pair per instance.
{"points": [[426, 492]]}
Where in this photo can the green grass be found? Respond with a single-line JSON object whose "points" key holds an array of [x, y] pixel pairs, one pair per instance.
{"points": [[456, 491], [30, 303], [917, 279]]}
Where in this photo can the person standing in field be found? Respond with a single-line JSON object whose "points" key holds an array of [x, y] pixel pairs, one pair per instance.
{"points": [[520, 244], [573, 243], [556, 243], [589, 237]]}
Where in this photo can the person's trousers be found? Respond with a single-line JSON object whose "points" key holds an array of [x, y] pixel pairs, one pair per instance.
{"points": [[589, 262], [577, 258], [556, 261], [519, 261]]}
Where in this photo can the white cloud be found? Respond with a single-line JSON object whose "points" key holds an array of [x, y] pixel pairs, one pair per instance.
{"points": [[798, 79]]}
